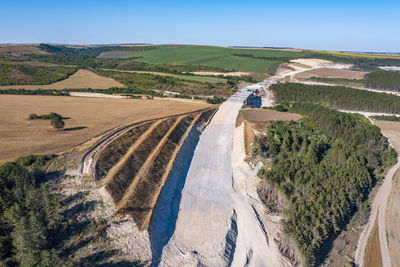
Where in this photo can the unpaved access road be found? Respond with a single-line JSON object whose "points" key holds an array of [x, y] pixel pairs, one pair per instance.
{"points": [[378, 208]]}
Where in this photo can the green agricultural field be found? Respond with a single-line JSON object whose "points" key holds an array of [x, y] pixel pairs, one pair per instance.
{"points": [[256, 60]]}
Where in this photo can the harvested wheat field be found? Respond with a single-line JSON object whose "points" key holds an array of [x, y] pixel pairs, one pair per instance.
{"points": [[88, 117], [391, 129], [80, 79], [332, 73]]}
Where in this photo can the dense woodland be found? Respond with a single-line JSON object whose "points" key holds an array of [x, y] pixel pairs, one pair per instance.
{"points": [[18, 74], [338, 96], [383, 79], [28, 214], [325, 165]]}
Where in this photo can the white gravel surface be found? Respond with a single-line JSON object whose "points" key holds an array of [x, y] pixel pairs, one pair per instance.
{"points": [[206, 218]]}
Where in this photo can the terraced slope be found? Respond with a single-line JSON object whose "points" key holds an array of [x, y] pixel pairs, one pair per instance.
{"points": [[134, 167], [118, 183], [117, 149], [140, 202]]}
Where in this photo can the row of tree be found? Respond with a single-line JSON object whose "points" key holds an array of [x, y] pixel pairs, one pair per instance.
{"points": [[325, 165], [338, 96], [383, 79]]}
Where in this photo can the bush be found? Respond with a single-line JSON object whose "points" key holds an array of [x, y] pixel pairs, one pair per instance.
{"points": [[50, 116], [33, 116], [215, 100]]}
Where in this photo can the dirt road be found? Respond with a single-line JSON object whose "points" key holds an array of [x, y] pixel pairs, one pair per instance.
{"points": [[378, 208]]}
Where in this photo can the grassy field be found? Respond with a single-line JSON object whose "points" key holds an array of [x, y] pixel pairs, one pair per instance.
{"points": [[80, 79], [220, 57], [88, 117]]}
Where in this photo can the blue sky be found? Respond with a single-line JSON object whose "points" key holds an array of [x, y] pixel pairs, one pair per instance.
{"points": [[328, 25]]}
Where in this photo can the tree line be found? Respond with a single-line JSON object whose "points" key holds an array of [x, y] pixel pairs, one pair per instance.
{"points": [[325, 165], [56, 120], [383, 79], [338, 96]]}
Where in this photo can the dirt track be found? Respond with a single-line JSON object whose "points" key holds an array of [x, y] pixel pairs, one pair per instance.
{"points": [[80, 79], [392, 130], [378, 211]]}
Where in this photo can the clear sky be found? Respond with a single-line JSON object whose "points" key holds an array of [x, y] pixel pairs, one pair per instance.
{"points": [[361, 25]]}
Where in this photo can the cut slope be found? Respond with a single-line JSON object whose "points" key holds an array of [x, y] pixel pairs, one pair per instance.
{"points": [[141, 202], [123, 179]]}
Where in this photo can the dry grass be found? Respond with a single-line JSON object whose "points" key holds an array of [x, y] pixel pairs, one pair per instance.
{"points": [[20, 49], [115, 151], [332, 73], [248, 136], [373, 257], [125, 180], [391, 129], [262, 115], [19, 136], [80, 79]]}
